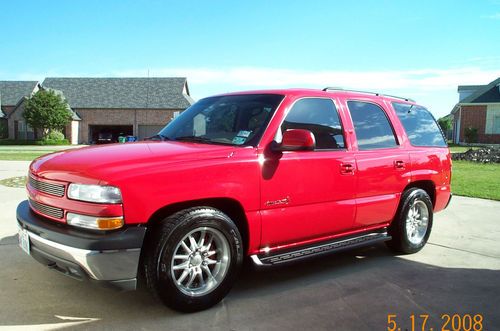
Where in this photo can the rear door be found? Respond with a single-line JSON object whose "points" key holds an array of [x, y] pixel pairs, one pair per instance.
{"points": [[382, 163]]}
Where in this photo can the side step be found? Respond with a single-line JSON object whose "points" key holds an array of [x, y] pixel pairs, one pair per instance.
{"points": [[325, 247]]}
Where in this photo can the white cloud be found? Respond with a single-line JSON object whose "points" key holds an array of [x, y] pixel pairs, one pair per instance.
{"points": [[495, 16], [417, 80]]}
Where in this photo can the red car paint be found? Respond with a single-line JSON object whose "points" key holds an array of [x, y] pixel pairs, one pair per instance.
{"points": [[296, 198]]}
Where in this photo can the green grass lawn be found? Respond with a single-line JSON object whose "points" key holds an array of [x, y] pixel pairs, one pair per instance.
{"points": [[476, 180], [21, 155], [461, 149], [27, 152]]}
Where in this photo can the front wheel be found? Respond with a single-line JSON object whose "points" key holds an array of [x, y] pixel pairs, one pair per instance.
{"points": [[412, 225], [193, 258]]}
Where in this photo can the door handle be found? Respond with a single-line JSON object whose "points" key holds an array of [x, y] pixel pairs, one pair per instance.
{"points": [[399, 164], [346, 169]]}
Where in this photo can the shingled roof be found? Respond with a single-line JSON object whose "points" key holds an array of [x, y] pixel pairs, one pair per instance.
{"points": [[484, 93], [12, 91], [123, 93]]}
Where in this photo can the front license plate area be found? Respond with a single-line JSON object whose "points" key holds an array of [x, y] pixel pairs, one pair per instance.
{"points": [[24, 241]]}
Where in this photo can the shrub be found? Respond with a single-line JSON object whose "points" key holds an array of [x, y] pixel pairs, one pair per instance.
{"points": [[41, 142], [54, 135], [471, 135]]}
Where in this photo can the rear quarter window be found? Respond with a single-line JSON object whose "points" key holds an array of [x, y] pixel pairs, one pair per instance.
{"points": [[420, 126]]}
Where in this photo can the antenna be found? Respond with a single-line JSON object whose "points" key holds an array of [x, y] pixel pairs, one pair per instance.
{"points": [[147, 91]]}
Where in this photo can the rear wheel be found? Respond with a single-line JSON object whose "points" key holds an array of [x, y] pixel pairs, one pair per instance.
{"points": [[412, 225], [193, 258]]}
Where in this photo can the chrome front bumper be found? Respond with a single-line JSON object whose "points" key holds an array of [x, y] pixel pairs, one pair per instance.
{"points": [[112, 266]]}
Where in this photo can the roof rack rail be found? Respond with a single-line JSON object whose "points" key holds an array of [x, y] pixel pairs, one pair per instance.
{"points": [[328, 88]]}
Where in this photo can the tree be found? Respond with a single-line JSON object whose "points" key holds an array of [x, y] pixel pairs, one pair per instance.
{"points": [[445, 123], [48, 111]]}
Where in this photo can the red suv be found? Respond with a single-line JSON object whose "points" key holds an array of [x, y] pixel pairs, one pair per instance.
{"points": [[276, 176]]}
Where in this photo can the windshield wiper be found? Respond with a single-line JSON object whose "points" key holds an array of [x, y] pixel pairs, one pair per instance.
{"points": [[197, 139], [200, 139], [158, 136]]}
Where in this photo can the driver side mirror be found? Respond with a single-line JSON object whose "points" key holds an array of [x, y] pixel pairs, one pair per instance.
{"points": [[296, 140]]}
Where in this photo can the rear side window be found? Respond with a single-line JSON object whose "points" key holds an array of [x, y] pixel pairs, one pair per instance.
{"points": [[420, 125], [373, 130], [321, 118]]}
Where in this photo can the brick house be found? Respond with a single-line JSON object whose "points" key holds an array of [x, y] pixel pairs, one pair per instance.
{"points": [[121, 106], [479, 108], [112, 106], [12, 97]]}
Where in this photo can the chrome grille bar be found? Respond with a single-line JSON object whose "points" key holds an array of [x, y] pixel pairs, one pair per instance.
{"points": [[45, 187], [47, 210]]}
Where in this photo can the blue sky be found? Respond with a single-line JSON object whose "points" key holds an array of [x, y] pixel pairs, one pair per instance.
{"points": [[420, 49]]}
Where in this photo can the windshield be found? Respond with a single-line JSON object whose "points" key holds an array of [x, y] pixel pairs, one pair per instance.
{"points": [[231, 120]]}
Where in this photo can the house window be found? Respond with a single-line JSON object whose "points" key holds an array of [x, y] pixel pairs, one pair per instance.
{"points": [[493, 119], [21, 127]]}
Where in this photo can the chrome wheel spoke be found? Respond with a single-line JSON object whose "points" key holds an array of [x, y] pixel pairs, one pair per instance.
{"points": [[209, 273], [200, 261], [202, 239], [210, 261], [417, 222], [186, 248], [192, 276], [183, 276], [210, 253], [192, 244], [184, 265], [209, 243], [201, 281]]}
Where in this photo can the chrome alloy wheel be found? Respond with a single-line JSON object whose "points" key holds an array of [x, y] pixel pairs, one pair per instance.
{"points": [[200, 261], [417, 222]]}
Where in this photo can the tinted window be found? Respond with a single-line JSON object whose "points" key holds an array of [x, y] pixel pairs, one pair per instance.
{"points": [[231, 119], [371, 125], [420, 125], [318, 116]]}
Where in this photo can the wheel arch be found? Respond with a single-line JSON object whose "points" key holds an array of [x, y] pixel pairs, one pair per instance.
{"points": [[230, 207], [426, 185]]}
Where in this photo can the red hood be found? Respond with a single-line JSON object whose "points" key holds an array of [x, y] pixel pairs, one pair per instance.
{"points": [[102, 163]]}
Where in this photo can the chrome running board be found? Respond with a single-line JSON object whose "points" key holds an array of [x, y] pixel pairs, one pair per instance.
{"points": [[324, 247]]}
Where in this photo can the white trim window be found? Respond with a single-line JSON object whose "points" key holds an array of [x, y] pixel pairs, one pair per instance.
{"points": [[493, 119]]}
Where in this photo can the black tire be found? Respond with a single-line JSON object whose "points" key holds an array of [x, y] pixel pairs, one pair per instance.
{"points": [[165, 241], [402, 241]]}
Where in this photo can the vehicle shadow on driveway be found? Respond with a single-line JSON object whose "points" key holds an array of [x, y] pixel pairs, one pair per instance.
{"points": [[344, 291]]}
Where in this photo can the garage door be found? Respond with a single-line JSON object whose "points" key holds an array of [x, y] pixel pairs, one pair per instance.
{"points": [[149, 130]]}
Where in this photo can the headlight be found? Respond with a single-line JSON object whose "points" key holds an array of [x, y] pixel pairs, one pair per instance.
{"points": [[93, 222], [95, 193]]}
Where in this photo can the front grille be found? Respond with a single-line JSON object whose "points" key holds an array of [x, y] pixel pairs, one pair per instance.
{"points": [[49, 188], [47, 210]]}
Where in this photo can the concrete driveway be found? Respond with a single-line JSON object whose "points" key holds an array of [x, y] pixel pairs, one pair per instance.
{"points": [[458, 272]]}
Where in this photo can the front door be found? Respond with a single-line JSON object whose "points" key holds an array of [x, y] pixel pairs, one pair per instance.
{"points": [[308, 195]]}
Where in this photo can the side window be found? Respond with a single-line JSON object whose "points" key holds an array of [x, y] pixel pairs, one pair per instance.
{"points": [[372, 127], [321, 118], [420, 125]]}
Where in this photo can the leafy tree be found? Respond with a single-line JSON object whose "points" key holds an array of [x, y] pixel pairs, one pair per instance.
{"points": [[445, 123], [48, 111]]}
